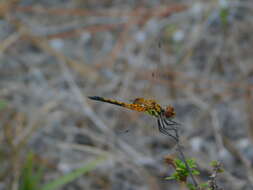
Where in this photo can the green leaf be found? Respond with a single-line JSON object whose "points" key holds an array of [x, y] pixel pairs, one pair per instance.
{"points": [[191, 186], [57, 183], [204, 185], [192, 163], [31, 175], [170, 178], [214, 163], [220, 170], [182, 171], [3, 104], [195, 172], [224, 14], [178, 162]]}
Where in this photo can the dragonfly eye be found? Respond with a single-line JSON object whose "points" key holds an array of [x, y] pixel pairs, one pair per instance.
{"points": [[169, 112]]}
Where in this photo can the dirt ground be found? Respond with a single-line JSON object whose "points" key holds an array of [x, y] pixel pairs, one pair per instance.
{"points": [[194, 55]]}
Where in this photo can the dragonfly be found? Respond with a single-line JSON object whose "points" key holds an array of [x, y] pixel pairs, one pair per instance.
{"points": [[164, 116]]}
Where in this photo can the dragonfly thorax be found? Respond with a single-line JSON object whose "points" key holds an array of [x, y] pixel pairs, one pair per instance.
{"points": [[153, 112]]}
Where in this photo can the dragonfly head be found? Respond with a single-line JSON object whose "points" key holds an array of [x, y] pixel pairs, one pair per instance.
{"points": [[169, 112]]}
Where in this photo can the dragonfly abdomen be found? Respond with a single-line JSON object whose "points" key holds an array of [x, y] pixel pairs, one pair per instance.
{"points": [[136, 107], [110, 101]]}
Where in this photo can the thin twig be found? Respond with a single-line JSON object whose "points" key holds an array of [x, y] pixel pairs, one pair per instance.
{"points": [[179, 149]]}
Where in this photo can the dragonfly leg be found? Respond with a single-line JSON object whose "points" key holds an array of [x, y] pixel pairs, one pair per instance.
{"points": [[172, 128], [163, 130], [171, 121], [167, 123]]}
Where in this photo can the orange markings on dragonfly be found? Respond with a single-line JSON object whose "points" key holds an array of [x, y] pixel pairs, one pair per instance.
{"points": [[164, 116]]}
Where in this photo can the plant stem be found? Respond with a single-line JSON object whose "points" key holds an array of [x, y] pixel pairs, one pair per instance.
{"points": [[179, 149]]}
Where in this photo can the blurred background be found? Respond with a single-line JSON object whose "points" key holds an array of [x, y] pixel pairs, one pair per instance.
{"points": [[194, 55]]}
